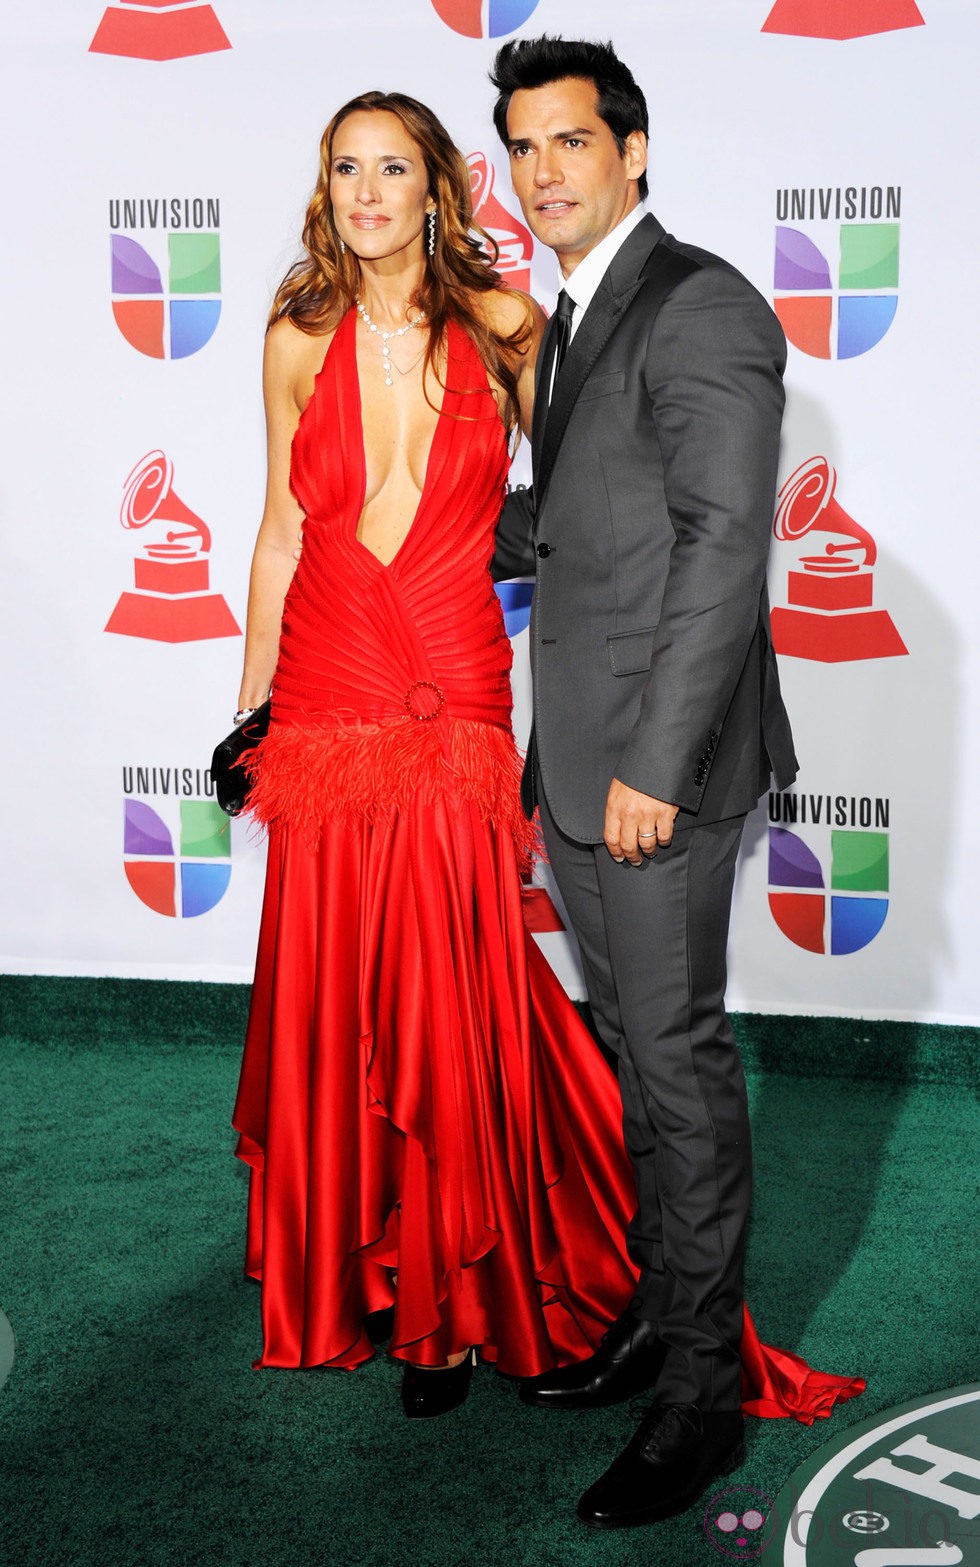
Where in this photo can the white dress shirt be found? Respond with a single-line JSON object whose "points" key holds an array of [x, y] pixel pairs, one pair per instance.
{"points": [[583, 282]]}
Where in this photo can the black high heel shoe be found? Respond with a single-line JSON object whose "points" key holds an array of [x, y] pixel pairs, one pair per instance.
{"points": [[434, 1392]]}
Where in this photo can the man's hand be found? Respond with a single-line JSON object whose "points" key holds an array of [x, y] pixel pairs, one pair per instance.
{"points": [[637, 825]]}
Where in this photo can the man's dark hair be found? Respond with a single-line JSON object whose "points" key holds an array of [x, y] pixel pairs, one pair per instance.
{"points": [[534, 62]]}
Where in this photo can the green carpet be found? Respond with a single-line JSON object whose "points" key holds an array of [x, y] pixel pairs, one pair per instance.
{"points": [[135, 1431]]}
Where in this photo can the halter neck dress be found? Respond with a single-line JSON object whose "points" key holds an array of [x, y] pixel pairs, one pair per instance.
{"points": [[419, 1100]]}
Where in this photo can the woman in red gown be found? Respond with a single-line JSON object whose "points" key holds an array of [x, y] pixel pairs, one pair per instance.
{"points": [[428, 1124]]}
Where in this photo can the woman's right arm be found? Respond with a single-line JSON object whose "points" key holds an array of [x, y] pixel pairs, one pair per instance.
{"points": [[280, 533], [514, 549]]}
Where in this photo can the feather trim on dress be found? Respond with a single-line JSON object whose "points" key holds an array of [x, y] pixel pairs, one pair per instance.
{"points": [[307, 776]]}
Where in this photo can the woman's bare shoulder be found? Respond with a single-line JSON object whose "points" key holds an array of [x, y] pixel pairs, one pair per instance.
{"points": [[507, 310], [293, 357], [288, 345]]}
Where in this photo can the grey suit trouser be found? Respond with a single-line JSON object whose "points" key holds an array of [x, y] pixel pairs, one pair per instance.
{"points": [[654, 941]]}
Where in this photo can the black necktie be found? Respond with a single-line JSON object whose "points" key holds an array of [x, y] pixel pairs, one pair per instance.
{"points": [[561, 338], [563, 326]]}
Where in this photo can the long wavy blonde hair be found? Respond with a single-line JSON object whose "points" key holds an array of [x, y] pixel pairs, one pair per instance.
{"points": [[320, 288]]}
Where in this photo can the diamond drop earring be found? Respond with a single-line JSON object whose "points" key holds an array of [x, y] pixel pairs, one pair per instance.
{"points": [[430, 218]]}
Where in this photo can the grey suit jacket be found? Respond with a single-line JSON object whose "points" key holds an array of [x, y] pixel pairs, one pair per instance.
{"points": [[654, 485]]}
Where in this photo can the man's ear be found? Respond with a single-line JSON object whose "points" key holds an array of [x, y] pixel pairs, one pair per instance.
{"points": [[635, 154]]}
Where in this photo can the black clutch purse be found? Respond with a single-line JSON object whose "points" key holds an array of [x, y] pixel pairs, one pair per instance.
{"points": [[230, 777]]}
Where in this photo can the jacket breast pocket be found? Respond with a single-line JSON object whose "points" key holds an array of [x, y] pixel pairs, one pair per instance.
{"points": [[603, 385], [630, 652]]}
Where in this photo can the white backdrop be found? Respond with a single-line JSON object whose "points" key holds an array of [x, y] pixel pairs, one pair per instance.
{"points": [[193, 169]]}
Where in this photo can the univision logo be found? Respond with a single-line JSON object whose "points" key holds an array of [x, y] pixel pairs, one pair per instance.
{"points": [[828, 887], [841, 18], [178, 863], [515, 601], [836, 294], [159, 30], [166, 285], [484, 18]]}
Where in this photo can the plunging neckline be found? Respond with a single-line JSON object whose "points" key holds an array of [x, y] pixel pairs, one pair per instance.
{"points": [[349, 325], [386, 565]]}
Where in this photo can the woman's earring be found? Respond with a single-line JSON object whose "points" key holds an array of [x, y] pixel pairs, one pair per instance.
{"points": [[343, 248], [430, 218]]}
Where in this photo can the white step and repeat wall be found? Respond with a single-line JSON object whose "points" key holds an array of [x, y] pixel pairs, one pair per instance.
{"points": [[159, 159]]}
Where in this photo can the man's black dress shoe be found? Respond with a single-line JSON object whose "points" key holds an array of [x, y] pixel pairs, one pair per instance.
{"points": [[628, 1361], [676, 1452]]}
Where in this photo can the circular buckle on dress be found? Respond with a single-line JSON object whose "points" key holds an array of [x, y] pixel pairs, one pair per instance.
{"points": [[412, 703]]}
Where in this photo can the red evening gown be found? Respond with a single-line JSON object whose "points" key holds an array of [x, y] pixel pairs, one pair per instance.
{"points": [[418, 1096]]}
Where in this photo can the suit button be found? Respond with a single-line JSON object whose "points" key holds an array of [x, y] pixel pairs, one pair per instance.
{"points": [[544, 550]]}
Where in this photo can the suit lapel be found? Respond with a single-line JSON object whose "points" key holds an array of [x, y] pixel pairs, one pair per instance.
{"points": [[614, 294], [598, 325]]}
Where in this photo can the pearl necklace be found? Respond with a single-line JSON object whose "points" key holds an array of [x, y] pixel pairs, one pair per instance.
{"points": [[386, 337]]}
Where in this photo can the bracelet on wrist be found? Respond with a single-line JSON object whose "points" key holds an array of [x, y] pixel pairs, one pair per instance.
{"points": [[245, 712]]}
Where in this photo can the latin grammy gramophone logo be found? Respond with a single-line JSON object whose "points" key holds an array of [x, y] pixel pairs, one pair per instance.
{"points": [[159, 30], [515, 242], [830, 616], [171, 601], [841, 18]]}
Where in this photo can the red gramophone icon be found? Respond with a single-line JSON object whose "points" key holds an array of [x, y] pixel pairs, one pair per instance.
{"points": [[159, 30], [841, 18], [830, 618], [514, 240], [171, 602]]}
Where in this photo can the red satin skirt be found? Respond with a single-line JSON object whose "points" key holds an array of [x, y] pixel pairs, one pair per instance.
{"points": [[419, 1100], [419, 1097]]}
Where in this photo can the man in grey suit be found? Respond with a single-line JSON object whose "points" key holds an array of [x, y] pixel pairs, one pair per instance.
{"points": [[657, 720]]}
